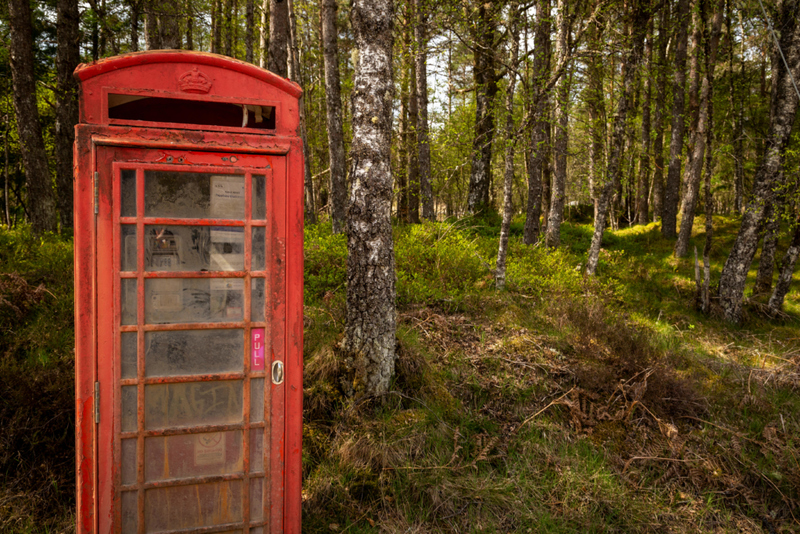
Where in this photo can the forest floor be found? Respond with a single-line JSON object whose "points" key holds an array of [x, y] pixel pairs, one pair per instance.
{"points": [[560, 404]]}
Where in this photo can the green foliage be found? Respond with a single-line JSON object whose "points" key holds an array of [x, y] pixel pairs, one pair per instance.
{"points": [[325, 257]]}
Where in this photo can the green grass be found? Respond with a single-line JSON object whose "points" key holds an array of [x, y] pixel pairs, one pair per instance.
{"points": [[559, 405]]}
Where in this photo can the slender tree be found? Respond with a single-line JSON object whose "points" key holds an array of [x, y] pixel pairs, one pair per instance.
{"points": [[540, 124], [423, 143], [483, 30], [509, 141], [278, 37], [694, 168], [41, 204], [371, 319], [669, 208], [637, 27], [658, 113], [333, 100], [67, 58], [642, 189], [595, 101], [558, 193], [783, 109]]}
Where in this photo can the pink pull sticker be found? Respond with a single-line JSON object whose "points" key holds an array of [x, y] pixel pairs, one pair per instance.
{"points": [[257, 349]]}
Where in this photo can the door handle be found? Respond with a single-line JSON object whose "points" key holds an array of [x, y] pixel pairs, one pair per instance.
{"points": [[277, 372]]}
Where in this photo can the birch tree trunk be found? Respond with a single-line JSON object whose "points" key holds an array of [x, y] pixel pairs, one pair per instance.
{"points": [[67, 58], [263, 35], [637, 29], [783, 108], [553, 235], [508, 177], [766, 262], [694, 169], [278, 37], [669, 209], [596, 102], [642, 189], [412, 154], [423, 143], [787, 268], [369, 337], [333, 101], [484, 35], [539, 121], [658, 118], [41, 202]]}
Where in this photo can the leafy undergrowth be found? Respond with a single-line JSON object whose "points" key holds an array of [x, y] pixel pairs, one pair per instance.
{"points": [[558, 405]]}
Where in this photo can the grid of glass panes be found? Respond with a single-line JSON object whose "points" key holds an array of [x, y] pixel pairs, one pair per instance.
{"points": [[192, 352]]}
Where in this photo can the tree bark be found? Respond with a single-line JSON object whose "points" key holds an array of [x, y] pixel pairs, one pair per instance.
{"points": [[371, 320], [508, 177], [766, 262], [67, 58], [553, 235], [249, 30], [669, 209], [783, 107], [538, 159], [333, 100], [228, 25], [484, 35], [278, 37], [310, 210], [787, 269], [152, 34], [642, 189], [263, 35], [694, 169], [595, 100], [637, 29], [412, 154], [190, 14], [423, 143], [136, 8], [169, 22], [658, 119], [41, 204]]}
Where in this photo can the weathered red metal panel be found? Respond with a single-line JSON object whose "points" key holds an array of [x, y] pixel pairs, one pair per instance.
{"points": [[114, 495]]}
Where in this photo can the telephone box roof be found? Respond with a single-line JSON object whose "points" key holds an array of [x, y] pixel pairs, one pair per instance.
{"points": [[88, 71]]}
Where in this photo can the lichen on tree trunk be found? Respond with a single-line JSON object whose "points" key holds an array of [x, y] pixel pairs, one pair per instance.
{"points": [[369, 338]]}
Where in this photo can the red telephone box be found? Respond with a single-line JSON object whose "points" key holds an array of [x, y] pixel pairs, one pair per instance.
{"points": [[188, 276]]}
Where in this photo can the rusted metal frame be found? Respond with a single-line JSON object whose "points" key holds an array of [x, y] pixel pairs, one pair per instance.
{"points": [[106, 325], [178, 482], [268, 353], [248, 242], [140, 348], [95, 316], [294, 339], [193, 274], [278, 339], [85, 331], [218, 142], [188, 222], [188, 326], [182, 431], [208, 377]]}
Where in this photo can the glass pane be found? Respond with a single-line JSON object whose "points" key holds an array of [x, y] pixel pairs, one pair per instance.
{"points": [[129, 408], [193, 352], [259, 233], [193, 403], [128, 355], [193, 195], [129, 246], [256, 400], [257, 299], [130, 512], [194, 248], [193, 455], [127, 205], [128, 300], [257, 530], [193, 300], [257, 499], [257, 450], [128, 467], [259, 198], [193, 506]]}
